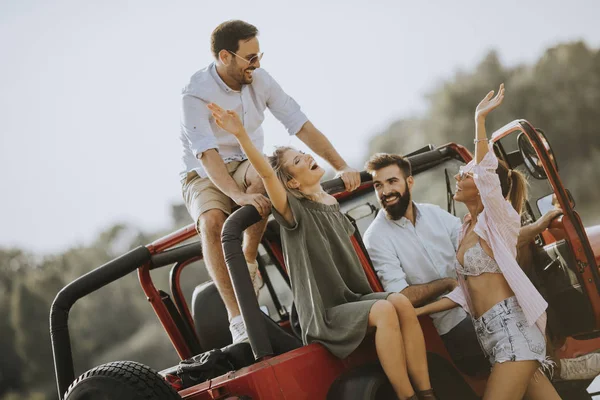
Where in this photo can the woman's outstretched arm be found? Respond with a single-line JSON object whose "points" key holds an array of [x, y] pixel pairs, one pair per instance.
{"points": [[230, 121], [442, 304], [483, 109]]}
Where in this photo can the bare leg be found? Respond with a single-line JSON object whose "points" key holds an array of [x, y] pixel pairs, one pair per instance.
{"points": [[540, 388], [390, 348], [414, 342], [253, 235], [211, 224], [509, 380]]}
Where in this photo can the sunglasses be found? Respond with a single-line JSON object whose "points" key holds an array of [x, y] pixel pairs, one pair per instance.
{"points": [[464, 174], [252, 60]]}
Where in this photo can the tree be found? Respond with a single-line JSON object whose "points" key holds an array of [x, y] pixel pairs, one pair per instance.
{"points": [[10, 362], [560, 93], [32, 338]]}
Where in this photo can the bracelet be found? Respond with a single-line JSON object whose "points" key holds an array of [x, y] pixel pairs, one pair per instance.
{"points": [[480, 140]]}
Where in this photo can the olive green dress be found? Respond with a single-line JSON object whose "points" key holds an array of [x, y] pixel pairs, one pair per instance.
{"points": [[331, 291]]}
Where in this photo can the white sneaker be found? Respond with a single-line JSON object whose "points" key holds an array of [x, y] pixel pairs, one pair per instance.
{"points": [[257, 281], [584, 367], [238, 330]]}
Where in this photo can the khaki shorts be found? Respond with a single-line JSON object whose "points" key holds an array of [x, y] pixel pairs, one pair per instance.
{"points": [[201, 195]]}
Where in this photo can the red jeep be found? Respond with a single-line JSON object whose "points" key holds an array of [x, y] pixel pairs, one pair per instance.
{"points": [[562, 262]]}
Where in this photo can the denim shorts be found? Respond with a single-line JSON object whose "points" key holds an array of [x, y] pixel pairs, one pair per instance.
{"points": [[504, 335]]}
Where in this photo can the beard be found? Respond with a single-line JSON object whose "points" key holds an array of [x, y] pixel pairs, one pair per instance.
{"points": [[397, 210], [239, 75]]}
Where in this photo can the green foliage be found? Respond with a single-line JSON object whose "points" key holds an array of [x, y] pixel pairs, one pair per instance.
{"points": [[116, 322], [28, 309], [10, 362], [560, 94]]}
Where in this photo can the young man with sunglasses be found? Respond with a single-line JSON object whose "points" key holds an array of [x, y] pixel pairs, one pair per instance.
{"points": [[413, 247], [216, 174]]}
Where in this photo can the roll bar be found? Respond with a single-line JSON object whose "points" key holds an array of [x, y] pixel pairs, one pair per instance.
{"points": [[64, 300]]}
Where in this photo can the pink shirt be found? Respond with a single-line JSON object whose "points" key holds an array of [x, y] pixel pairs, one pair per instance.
{"points": [[499, 224]]}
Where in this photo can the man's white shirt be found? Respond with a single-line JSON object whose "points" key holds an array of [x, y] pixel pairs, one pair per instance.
{"points": [[198, 130], [404, 254]]}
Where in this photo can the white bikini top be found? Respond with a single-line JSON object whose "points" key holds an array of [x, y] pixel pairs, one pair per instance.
{"points": [[477, 262]]}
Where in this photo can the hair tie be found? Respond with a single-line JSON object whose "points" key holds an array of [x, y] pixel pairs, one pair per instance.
{"points": [[510, 181]]}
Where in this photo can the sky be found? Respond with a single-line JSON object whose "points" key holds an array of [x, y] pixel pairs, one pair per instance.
{"points": [[90, 91]]}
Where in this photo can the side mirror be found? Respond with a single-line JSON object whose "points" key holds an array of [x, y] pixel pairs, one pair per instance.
{"points": [[531, 159], [550, 202]]}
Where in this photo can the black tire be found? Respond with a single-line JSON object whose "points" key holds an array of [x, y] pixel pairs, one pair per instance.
{"points": [[121, 380]]}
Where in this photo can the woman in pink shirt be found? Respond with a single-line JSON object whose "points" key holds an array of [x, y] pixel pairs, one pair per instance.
{"points": [[507, 310]]}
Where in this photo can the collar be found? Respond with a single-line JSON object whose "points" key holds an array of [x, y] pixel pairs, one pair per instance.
{"points": [[217, 78], [404, 222]]}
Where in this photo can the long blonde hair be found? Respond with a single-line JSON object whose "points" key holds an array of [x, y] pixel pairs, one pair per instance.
{"points": [[276, 161]]}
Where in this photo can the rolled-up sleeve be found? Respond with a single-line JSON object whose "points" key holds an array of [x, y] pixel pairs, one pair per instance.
{"points": [[284, 107], [386, 264], [458, 296], [195, 124]]}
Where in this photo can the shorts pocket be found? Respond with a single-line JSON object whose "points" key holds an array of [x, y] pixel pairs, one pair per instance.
{"points": [[534, 339], [495, 324]]}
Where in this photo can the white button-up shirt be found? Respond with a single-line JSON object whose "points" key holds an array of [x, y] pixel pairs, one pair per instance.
{"points": [[404, 254], [199, 132]]}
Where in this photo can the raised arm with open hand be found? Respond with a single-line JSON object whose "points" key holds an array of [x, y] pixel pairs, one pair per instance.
{"points": [[488, 103], [483, 109], [230, 121]]}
